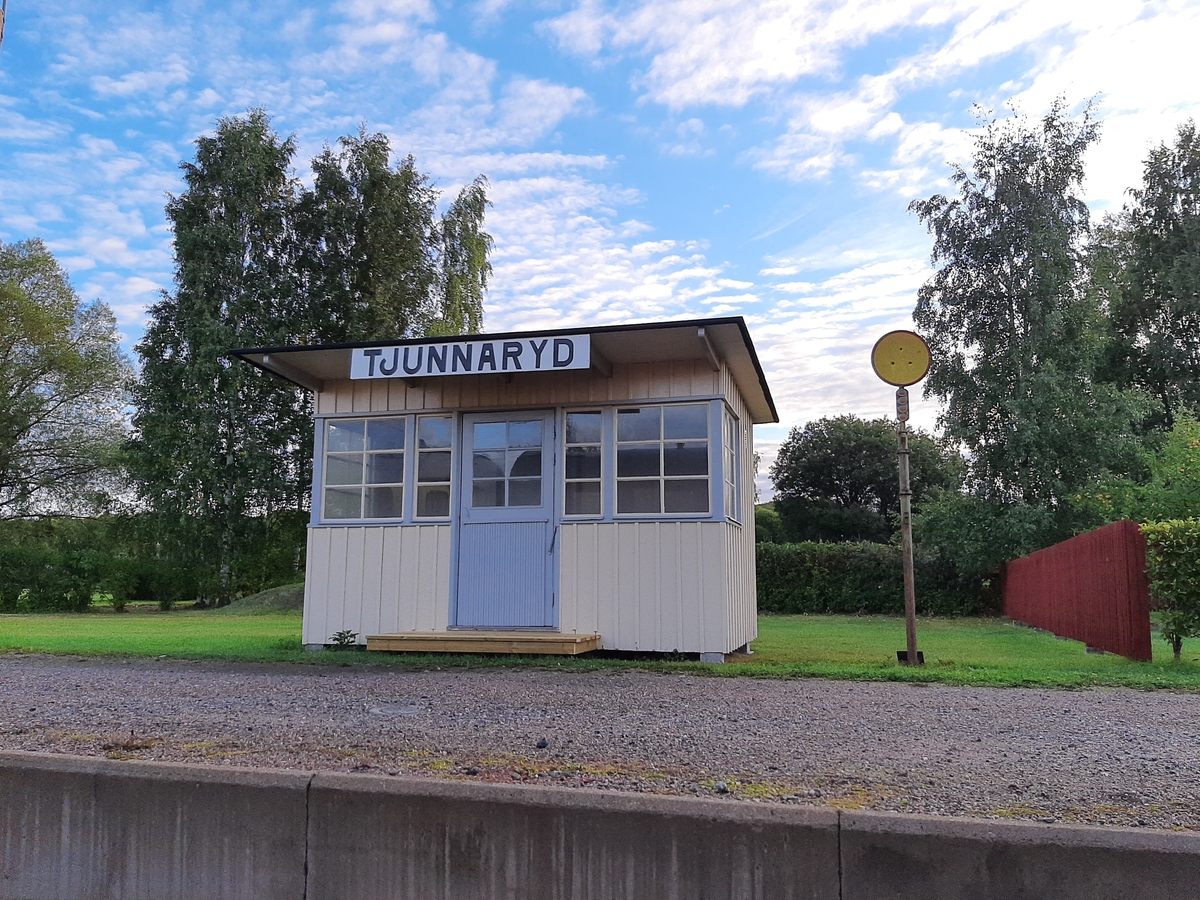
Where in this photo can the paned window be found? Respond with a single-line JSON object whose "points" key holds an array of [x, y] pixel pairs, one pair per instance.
{"points": [[582, 468], [662, 459], [364, 468], [506, 465], [434, 465], [731, 447]]}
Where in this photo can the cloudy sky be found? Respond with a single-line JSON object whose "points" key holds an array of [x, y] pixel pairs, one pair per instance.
{"points": [[649, 160]]}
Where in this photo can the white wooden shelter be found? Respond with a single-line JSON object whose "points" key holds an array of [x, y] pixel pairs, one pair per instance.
{"points": [[551, 491]]}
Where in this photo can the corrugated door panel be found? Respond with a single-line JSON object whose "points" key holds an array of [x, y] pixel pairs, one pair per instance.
{"points": [[502, 574]]}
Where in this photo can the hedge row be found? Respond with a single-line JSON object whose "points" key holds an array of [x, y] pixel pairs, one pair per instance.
{"points": [[859, 578], [34, 579]]}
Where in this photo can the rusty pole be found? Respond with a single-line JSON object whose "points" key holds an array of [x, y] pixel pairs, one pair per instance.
{"points": [[910, 589]]}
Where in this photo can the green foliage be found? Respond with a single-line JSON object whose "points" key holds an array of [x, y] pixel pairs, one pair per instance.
{"points": [[857, 578], [62, 381], [836, 478], [768, 527], [1173, 564], [1147, 268], [1016, 344], [1172, 490], [978, 536]]}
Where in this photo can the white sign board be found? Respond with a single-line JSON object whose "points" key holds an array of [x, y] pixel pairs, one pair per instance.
{"points": [[472, 357]]}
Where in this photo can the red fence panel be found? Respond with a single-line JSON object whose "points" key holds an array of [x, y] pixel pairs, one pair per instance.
{"points": [[1092, 588]]}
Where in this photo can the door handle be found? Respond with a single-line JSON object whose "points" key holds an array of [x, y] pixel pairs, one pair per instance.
{"points": [[553, 538]]}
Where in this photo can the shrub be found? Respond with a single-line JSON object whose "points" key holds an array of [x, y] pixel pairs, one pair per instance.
{"points": [[40, 580], [859, 578], [768, 528], [1173, 565]]}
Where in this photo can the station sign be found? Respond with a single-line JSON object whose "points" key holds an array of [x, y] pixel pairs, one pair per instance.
{"points": [[442, 357]]}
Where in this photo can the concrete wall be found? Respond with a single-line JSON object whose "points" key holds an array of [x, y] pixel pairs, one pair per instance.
{"points": [[82, 828]]}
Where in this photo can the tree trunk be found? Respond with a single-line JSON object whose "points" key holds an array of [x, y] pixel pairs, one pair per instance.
{"points": [[1177, 645]]}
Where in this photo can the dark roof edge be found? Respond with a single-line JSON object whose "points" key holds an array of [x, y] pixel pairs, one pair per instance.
{"points": [[739, 321]]}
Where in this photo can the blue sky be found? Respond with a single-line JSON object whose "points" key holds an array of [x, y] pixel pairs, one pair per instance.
{"points": [[649, 160]]}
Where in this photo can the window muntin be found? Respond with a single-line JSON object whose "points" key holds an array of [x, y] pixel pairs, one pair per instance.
{"points": [[662, 459], [506, 463], [364, 468], [582, 467], [731, 448], [435, 466]]}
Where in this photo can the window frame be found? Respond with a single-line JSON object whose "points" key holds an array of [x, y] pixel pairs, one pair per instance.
{"points": [[710, 512], [603, 479], [731, 464], [409, 484]]}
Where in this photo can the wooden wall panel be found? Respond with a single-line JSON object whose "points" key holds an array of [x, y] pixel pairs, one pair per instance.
{"points": [[376, 579], [650, 586]]}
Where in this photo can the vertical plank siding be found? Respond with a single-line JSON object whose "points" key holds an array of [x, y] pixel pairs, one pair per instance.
{"points": [[1092, 588], [649, 586], [374, 579]]}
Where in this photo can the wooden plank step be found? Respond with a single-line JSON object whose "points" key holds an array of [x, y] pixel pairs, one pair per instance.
{"points": [[525, 642]]}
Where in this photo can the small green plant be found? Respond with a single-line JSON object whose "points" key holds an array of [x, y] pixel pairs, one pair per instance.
{"points": [[344, 640], [1173, 564]]}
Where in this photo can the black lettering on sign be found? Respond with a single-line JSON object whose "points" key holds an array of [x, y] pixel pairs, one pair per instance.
{"points": [[562, 345], [417, 368], [438, 355], [462, 355], [370, 355], [384, 369], [538, 349], [512, 350], [487, 356]]}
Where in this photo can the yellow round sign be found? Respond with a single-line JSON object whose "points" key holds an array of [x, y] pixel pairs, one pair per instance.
{"points": [[900, 358]]}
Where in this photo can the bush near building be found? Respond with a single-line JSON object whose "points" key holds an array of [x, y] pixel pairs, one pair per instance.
{"points": [[1173, 564]]}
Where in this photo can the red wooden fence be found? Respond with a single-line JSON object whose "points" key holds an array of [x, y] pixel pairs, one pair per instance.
{"points": [[1091, 588]]}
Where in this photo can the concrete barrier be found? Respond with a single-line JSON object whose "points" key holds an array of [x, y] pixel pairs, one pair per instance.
{"points": [[888, 855], [78, 828], [378, 837]]}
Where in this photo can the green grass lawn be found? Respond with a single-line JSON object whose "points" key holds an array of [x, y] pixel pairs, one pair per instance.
{"points": [[957, 651]]}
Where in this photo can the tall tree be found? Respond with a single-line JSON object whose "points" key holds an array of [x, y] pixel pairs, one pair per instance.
{"points": [[62, 389], [219, 446], [222, 451], [835, 479], [1147, 266], [1015, 340], [377, 260]]}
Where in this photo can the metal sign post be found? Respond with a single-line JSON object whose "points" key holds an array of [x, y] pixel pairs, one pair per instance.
{"points": [[902, 358]]}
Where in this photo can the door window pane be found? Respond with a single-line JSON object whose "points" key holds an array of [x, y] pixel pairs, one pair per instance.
{"points": [[525, 492], [487, 493], [490, 435], [525, 434], [525, 463], [487, 465]]}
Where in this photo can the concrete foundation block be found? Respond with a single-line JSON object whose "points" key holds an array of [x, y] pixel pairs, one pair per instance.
{"points": [[898, 857], [398, 837], [712, 657], [81, 828]]}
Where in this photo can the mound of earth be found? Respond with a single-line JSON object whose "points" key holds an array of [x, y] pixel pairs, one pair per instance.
{"points": [[286, 598]]}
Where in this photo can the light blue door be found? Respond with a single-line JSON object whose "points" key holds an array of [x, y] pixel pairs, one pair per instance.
{"points": [[506, 534]]}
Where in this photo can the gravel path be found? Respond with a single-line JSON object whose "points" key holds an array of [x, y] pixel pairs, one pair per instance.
{"points": [[1113, 757]]}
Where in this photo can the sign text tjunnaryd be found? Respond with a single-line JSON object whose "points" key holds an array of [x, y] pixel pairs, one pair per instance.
{"points": [[472, 357]]}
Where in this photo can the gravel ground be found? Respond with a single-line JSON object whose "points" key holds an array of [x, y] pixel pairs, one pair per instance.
{"points": [[1111, 757]]}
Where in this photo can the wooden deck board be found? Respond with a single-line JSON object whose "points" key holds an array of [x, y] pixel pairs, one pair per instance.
{"points": [[524, 642]]}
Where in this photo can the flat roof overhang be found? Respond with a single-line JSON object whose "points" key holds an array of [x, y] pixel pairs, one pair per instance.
{"points": [[727, 338]]}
